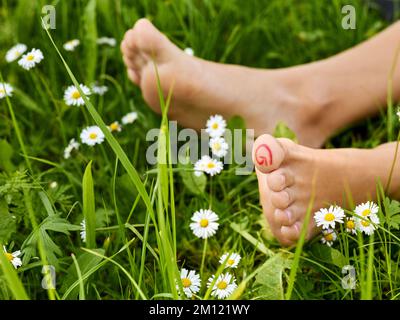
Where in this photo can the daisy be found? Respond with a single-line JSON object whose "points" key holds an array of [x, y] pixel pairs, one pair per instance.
{"points": [[100, 90], [71, 45], [199, 167], [204, 223], [189, 51], [328, 237], [219, 147], [115, 127], [73, 145], [129, 118], [72, 96], [398, 114], [328, 217], [31, 59], [108, 41], [224, 286], [210, 165], [216, 126], [6, 90], [190, 282], [231, 260], [351, 225], [366, 209], [83, 230], [13, 257], [92, 136], [15, 52]]}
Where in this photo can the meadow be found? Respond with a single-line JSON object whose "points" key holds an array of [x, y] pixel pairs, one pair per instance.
{"points": [[136, 235]]}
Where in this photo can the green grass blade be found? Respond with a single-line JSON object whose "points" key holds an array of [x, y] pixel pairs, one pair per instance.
{"points": [[89, 207]]}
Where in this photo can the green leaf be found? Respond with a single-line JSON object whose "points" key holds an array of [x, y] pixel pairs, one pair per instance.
{"points": [[90, 40], [52, 223], [7, 222], [12, 279], [6, 153], [392, 210], [269, 278], [89, 212], [328, 255], [194, 184], [86, 262], [283, 131]]}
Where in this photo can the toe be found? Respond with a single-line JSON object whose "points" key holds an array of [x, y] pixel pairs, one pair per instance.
{"points": [[282, 199], [279, 180], [291, 233], [284, 217], [268, 153], [133, 75]]}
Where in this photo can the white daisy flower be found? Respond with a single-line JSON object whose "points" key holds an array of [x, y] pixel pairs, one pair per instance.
{"points": [[204, 223], [219, 147], [328, 237], [208, 165], [15, 52], [189, 51], [224, 286], [71, 45], [73, 145], [13, 257], [99, 90], [351, 225], [92, 136], [366, 209], [72, 96], [108, 41], [328, 217], [31, 59], [231, 260], [129, 118], [6, 90], [115, 127], [190, 282], [199, 167], [83, 230], [368, 217], [216, 126]]}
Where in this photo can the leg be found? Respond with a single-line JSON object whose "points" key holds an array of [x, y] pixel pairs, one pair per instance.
{"points": [[285, 174], [314, 99]]}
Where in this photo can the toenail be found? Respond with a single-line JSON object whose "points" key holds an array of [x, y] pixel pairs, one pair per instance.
{"points": [[289, 215]]}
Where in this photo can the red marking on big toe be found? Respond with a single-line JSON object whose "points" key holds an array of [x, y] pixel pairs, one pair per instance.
{"points": [[262, 157]]}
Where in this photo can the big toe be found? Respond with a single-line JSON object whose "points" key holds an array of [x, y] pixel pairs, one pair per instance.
{"points": [[268, 153]]}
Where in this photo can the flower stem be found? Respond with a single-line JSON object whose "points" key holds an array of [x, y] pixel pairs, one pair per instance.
{"points": [[203, 258]]}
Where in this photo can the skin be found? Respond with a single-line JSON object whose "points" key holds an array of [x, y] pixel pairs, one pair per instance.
{"points": [[314, 100]]}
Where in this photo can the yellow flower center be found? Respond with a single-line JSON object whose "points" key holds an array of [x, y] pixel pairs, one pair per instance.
{"points": [[2, 91], [222, 285], [329, 237], [30, 57], [329, 216], [365, 223], [114, 126], [217, 146], [210, 165], [204, 223], [76, 95], [186, 282], [9, 256], [350, 224], [93, 136], [231, 262], [366, 212], [215, 126]]}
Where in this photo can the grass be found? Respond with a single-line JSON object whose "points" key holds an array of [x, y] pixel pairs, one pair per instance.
{"points": [[138, 216]]}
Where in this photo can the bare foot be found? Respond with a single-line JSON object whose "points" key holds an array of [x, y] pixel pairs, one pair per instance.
{"points": [[286, 170], [202, 88]]}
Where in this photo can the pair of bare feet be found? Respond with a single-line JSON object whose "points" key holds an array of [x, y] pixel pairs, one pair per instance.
{"points": [[262, 98]]}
